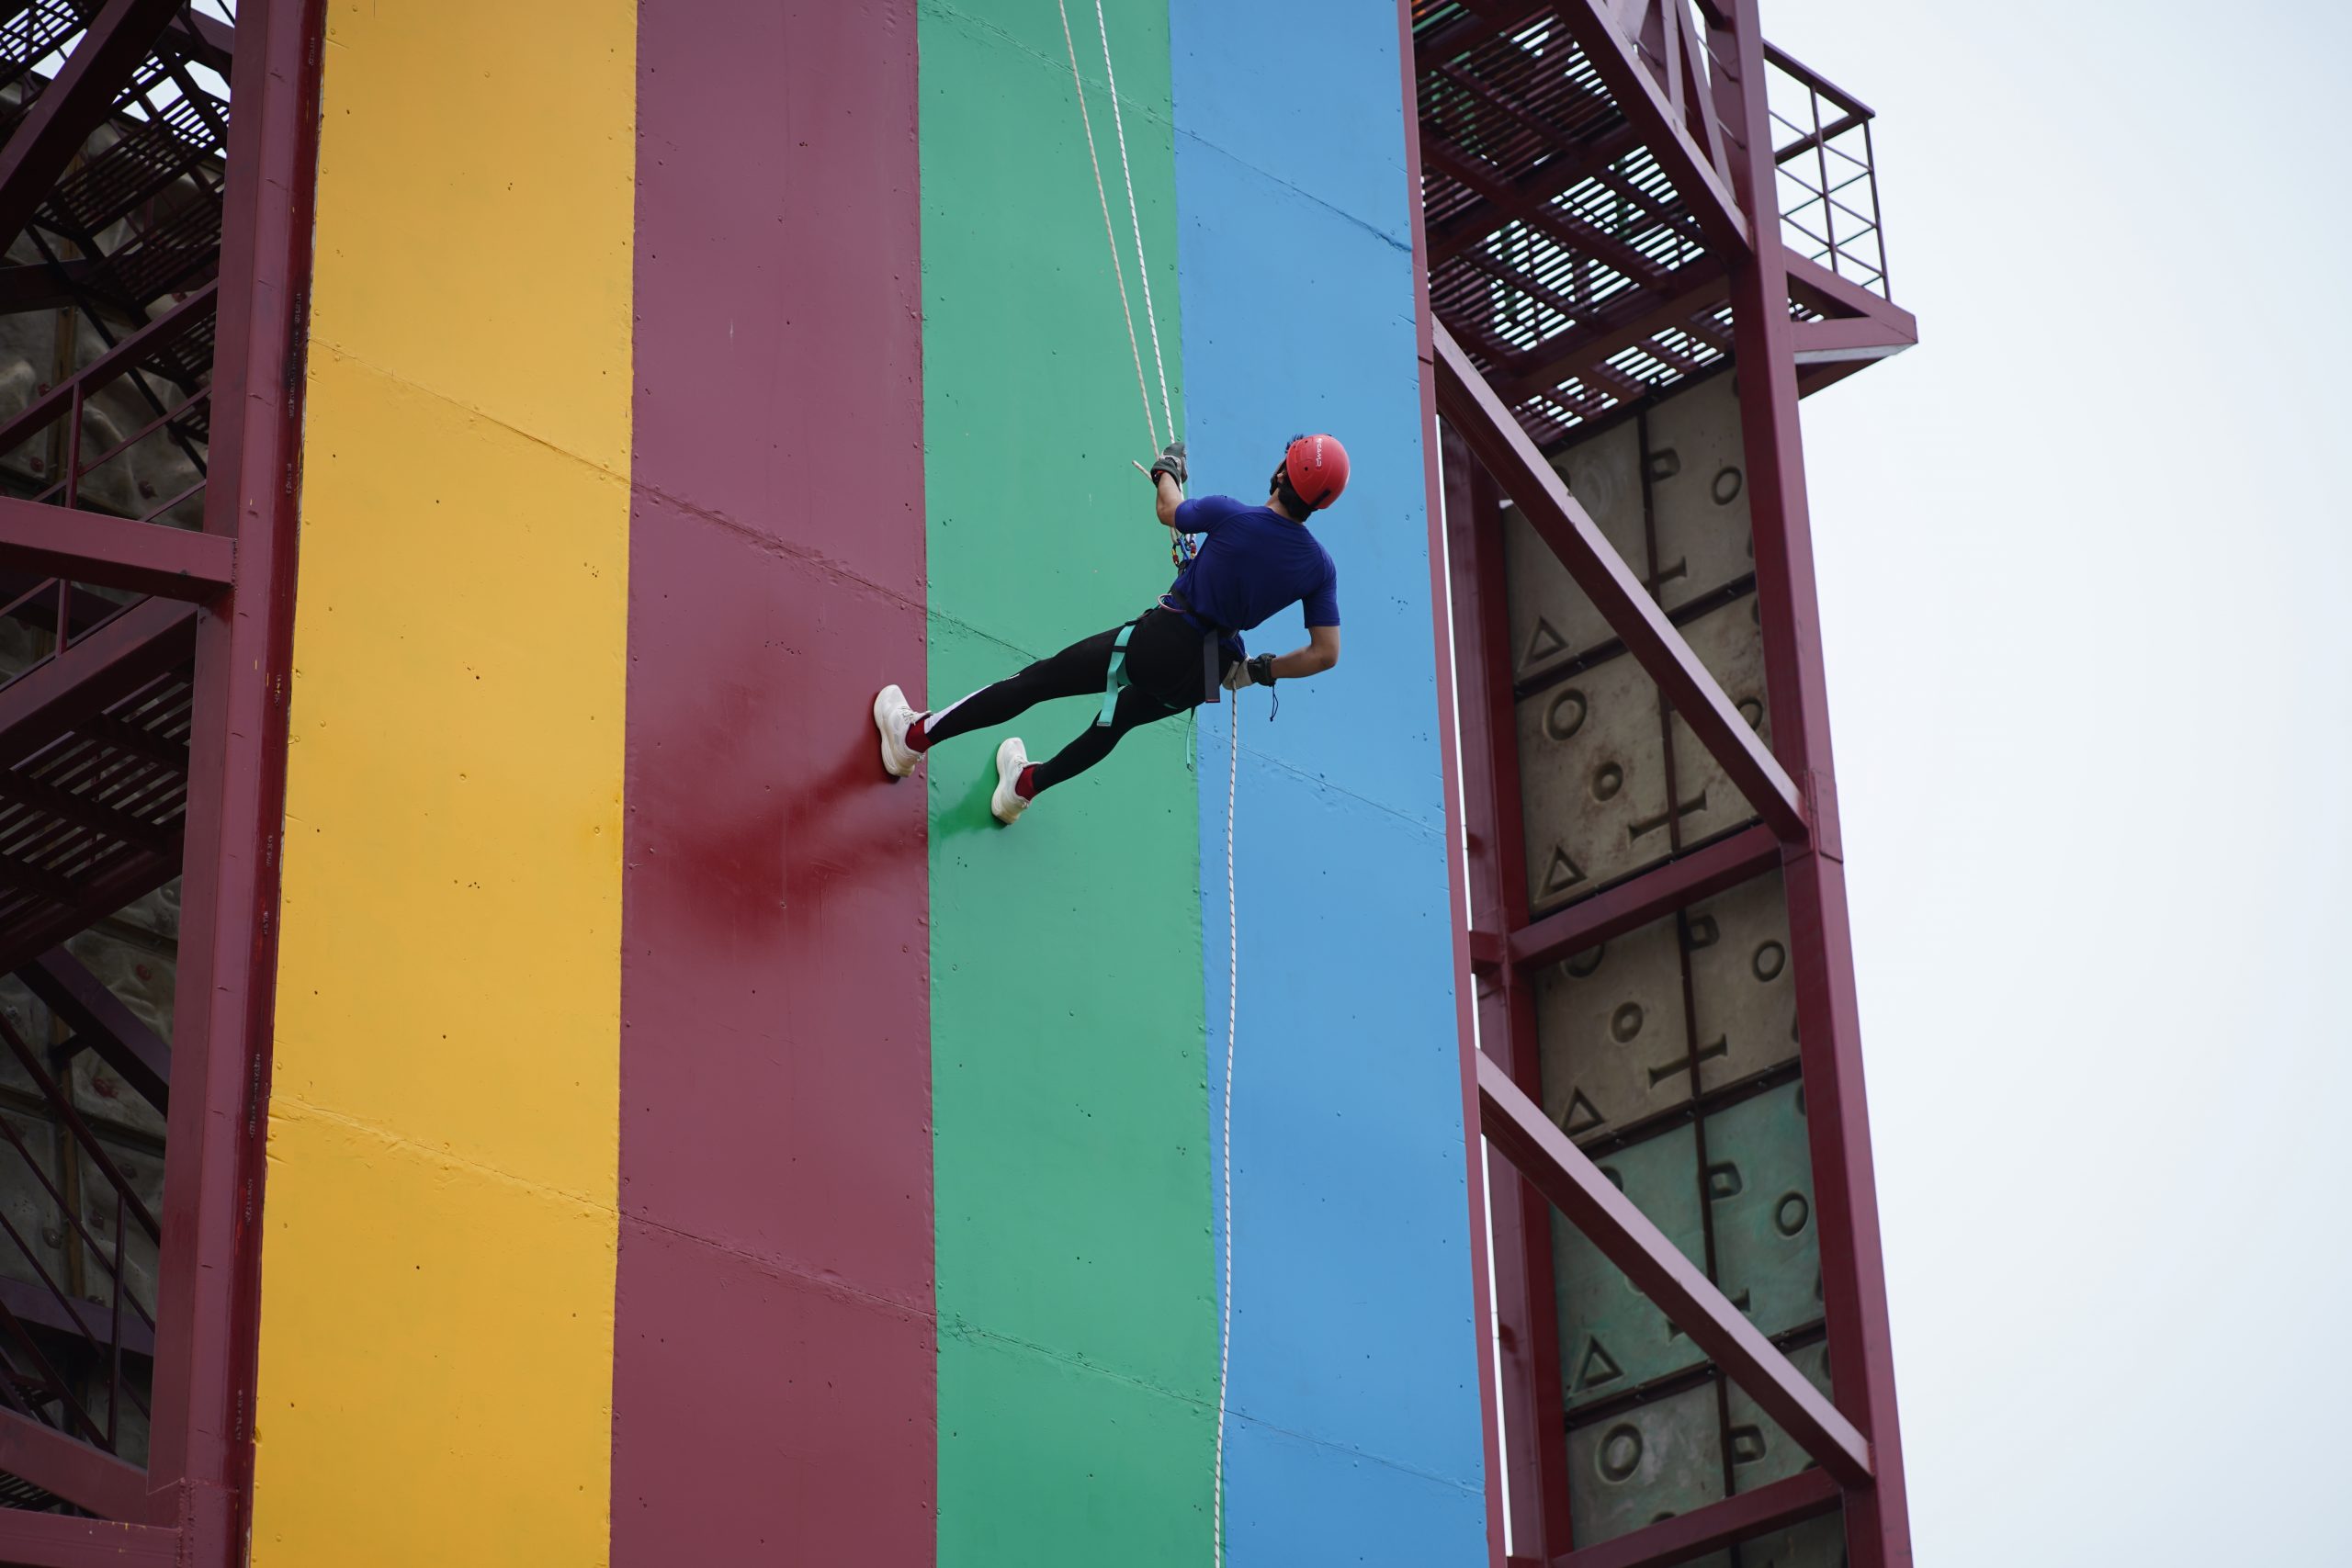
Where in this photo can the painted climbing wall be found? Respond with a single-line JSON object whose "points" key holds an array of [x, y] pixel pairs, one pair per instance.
{"points": [[1078, 1335], [1354, 1382], [758, 1157]]}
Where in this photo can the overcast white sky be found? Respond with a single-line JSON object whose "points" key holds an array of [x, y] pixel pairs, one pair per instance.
{"points": [[2084, 559]]}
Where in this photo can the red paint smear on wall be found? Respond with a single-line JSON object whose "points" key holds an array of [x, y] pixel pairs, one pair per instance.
{"points": [[775, 1352]]}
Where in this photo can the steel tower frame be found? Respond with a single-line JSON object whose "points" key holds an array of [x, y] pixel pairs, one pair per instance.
{"points": [[1732, 248], [149, 741]]}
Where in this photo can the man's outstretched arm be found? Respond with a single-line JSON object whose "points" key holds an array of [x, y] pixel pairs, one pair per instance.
{"points": [[1321, 652]]}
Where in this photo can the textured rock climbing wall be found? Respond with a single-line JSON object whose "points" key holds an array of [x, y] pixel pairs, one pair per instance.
{"points": [[1697, 1004]]}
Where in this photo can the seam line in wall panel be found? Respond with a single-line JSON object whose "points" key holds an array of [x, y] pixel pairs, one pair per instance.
{"points": [[619, 476]]}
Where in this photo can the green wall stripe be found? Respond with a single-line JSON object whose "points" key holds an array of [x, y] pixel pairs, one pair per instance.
{"points": [[1077, 1348]]}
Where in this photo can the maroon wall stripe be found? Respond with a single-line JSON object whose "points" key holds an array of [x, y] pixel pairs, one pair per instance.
{"points": [[774, 1379]]}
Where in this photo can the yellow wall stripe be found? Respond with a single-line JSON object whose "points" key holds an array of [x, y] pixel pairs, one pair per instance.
{"points": [[436, 1331]]}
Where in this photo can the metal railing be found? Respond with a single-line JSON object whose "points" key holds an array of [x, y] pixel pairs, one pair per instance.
{"points": [[1828, 193]]}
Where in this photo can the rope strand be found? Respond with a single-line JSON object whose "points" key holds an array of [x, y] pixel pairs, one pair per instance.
{"points": [[1232, 1010], [1233, 765], [1119, 124], [1104, 196]]}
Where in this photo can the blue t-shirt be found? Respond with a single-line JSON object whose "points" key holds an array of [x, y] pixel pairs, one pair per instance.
{"points": [[1253, 562]]}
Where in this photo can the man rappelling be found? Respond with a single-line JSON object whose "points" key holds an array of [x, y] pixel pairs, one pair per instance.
{"points": [[1252, 562]]}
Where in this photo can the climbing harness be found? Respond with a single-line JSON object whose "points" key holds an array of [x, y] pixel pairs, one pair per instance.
{"points": [[1180, 550], [1118, 681]]}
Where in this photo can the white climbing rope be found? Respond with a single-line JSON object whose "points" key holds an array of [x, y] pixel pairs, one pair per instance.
{"points": [[1232, 1007], [1119, 126], [1101, 195], [1233, 764]]}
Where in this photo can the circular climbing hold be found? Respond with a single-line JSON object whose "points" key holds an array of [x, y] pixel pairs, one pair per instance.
{"points": [[1620, 1452]]}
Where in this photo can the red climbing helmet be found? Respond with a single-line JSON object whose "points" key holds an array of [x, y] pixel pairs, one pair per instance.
{"points": [[1317, 468]]}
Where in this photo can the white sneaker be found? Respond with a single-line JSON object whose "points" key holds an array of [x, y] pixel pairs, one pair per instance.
{"points": [[893, 717], [1009, 803]]}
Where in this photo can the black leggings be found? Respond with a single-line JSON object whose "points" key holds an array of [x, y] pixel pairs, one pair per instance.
{"points": [[1166, 675]]}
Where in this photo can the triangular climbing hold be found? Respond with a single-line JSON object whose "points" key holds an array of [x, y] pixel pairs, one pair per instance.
{"points": [[1544, 644], [1580, 1117], [1597, 1367], [1561, 874]]}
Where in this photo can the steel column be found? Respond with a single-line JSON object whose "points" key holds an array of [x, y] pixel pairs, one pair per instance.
{"points": [[1532, 1417], [209, 1285], [1457, 806], [1852, 1265]]}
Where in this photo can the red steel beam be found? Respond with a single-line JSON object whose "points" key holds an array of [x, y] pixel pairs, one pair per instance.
{"points": [[53, 1540], [207, 1285], [1517, 1129], [34, 1304], [1525, 1308], [1662, 127], [1853, 1273], [1688, 1537], [1847, 340], [88, 1478], [75, 103], [1464, 398], [1652, 895], [1461, 811], [115, 552], [1816, 287], [101, 1022]]}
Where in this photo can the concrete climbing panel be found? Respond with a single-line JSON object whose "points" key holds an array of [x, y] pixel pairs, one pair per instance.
{"points": [[1759, 1195], [1645, 1465], [1550, 619], [1729, 642], [1611, 1337], [1592, 782], [1611, 1033], [1816, 1543], [1698, 491], [1761, 1452], [1743, 992]]}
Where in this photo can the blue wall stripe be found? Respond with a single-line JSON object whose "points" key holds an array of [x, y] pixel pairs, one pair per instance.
{"points": [[1356, 1436]]}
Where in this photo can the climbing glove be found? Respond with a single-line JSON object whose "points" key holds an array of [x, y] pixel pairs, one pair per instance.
{"points": [[1171, 463]]}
